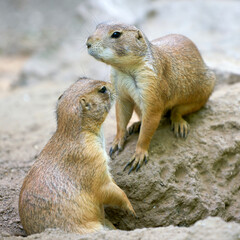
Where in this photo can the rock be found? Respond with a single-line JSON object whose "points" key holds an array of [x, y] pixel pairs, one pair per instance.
{"points": [[186, 180], [210, 229], [224, 77], [5, 234]]}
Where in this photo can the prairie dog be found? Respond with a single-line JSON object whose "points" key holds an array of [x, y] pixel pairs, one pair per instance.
{"points": [[70, 182], [151, 77]]}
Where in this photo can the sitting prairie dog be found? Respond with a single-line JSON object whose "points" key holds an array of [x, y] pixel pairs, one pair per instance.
{"points": [[70, 182], [151, 78]]}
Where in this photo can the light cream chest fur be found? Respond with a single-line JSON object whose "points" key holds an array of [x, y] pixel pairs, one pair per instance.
{"points": [[126, 87]]}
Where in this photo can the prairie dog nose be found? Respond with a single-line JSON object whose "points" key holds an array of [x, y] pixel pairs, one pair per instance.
{"points": [[88, 43]]}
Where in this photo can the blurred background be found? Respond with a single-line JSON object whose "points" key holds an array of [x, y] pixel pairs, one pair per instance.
{"points": [[45, 40]]}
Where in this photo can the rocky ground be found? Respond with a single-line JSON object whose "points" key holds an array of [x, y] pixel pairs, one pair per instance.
{"points": [[210, 229], [185, 181]]}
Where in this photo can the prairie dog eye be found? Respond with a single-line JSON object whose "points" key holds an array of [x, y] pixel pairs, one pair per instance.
{"points": [[103, 89], [116, 35]]}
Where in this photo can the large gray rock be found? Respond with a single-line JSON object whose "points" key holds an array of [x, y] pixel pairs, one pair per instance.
{"points": [[187, 180]]}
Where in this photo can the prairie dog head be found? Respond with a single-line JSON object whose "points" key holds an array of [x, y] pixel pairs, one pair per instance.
{"points": [[85, 104], [117, 44]]}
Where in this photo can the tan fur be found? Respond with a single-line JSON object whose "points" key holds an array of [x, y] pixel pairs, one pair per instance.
{"points": [[151, 78], [70, 182]]}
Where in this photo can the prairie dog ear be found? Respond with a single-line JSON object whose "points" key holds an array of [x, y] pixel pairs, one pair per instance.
{"points": [[85, 105], [139, 35]]}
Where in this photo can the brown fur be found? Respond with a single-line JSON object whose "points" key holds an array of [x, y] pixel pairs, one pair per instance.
{"points": [[70, 182], [151, 78]]}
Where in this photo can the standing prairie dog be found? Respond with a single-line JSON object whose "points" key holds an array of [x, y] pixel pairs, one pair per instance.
{"points": [[70, 182], [151, 78]]}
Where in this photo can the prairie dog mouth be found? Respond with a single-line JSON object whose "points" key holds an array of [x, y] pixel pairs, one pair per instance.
{"points": [[95, 55], [92, 52], [108, 106], [101, 54], [112, 97]]}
